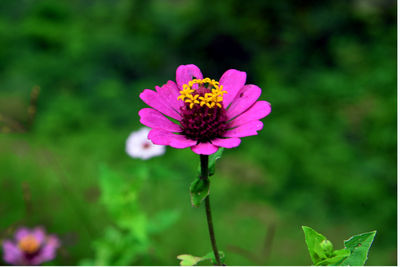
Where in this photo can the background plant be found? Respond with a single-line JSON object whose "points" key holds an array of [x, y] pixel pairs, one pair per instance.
{"points": [[327, 155]]}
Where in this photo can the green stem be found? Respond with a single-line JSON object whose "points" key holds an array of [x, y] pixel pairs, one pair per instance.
{"points": [[204, 176]]}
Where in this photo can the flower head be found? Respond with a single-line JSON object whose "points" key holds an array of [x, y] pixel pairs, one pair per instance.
{"points": [[30, 247], [139, 146], [203, 113]]}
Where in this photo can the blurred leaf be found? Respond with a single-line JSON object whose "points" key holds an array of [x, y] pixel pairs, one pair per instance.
{"points": [[188, 260], [199, 190], [358, 246], [162, 220], [211, 257]]}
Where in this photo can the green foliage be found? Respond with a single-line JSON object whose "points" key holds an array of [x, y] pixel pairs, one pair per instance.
{"points": [[327, 152], [190, 260], [322, 254], [123, 243], [358, 246], [199, 190], [212, 160]]}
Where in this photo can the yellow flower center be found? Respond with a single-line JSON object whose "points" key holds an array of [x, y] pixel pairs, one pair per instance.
{"points": [[29, 244], [211, 97]]}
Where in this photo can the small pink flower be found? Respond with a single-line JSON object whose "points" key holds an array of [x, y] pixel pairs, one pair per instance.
{"points": [[208, 114], [30, 247]]}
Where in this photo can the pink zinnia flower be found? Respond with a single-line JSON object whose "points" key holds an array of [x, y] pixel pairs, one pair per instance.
{"points": [[30, 247], [208, 114]]}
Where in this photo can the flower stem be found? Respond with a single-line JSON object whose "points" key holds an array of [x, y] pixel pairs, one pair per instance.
{"points": [[204, 176]]}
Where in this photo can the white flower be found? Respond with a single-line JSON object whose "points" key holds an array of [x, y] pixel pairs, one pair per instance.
{"points": [[138, 146]]}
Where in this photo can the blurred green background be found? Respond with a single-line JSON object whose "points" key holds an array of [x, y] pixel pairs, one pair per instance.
{"points": [[326, 157]]}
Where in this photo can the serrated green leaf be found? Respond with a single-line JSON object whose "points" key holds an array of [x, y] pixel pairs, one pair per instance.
{"points": [[199, 190], [358, 246], [188, 260], [212, 159], [313, 241]]}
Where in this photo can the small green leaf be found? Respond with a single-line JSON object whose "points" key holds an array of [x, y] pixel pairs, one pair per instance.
{"points": [[358, 246], [210, 256], [313, 241], [212, 159], [336, 259], [188, 260], [199, 190]]}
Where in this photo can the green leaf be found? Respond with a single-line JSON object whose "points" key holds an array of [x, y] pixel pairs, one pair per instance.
{"points": [[358, 246], [199, 190], [188, 260], [212, 159], [336, 259], [322, 254], [211, 162], [313, 241], [210, 256]]}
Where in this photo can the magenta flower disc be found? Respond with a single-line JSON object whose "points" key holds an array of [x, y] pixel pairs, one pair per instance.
{"points": [[203, 114]]}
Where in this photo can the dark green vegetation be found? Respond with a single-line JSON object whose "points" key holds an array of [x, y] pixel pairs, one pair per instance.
{"points": [[326, 157]]}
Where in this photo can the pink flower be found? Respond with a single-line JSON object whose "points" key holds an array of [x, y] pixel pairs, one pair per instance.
{"points": [[30, 247], [208, 114]]}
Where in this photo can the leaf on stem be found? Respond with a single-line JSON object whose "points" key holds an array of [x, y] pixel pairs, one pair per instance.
{"points": [[199, 190], [212, 159], [210, 256], [211, 162], [190, 260]]}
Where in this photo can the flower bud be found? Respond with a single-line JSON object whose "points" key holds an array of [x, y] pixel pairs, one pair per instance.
{"points": [[327, 246]]}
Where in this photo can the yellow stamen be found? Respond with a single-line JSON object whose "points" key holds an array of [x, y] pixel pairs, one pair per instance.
{"points": [[29, 244], [211, 99]]}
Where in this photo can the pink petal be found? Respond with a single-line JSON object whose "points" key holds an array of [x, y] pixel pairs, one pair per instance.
{"points": [[246, 97], [247, 129], [21, 233], [11, 253], [226, 142], [154, 100], [232, 81], [162, 137], [155, 119], [169, 92], [258, 111], [48, 252], [39, 234], [204, 149], [185, 73]]}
